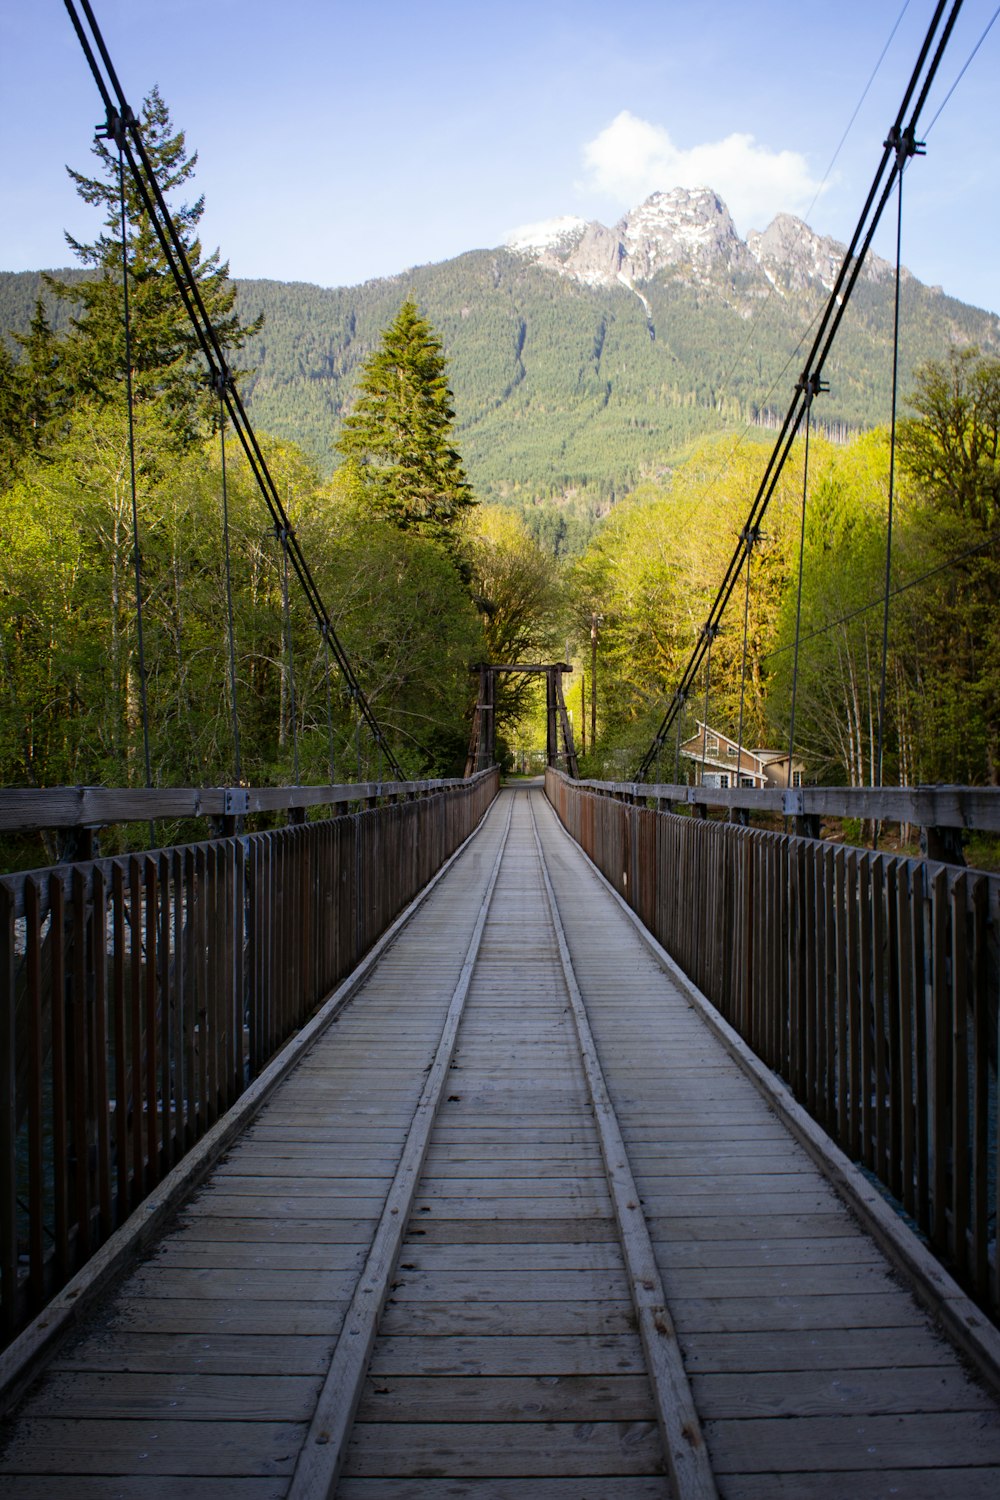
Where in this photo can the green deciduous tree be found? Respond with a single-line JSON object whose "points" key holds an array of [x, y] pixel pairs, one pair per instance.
{"points": [[397, 440]]}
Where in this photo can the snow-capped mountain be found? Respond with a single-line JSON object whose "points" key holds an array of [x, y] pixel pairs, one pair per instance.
{"points": [[688, 234]]}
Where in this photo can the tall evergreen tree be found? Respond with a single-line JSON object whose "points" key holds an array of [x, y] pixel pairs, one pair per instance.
{"points": [[397, 441], [166, 363]]}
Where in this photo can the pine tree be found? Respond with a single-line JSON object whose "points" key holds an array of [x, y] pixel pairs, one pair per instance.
{"points": [[166, 362], [397, 441]]}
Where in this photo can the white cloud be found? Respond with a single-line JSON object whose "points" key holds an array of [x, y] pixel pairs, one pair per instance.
{"points": [[632, 158]]}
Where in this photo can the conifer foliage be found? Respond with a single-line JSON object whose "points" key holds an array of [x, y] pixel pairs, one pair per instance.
{"points": [[166, 361], [397, 441]]}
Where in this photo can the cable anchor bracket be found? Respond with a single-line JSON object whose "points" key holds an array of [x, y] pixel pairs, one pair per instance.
{"points": [[812, 385], [116, 126], [905, 145]]}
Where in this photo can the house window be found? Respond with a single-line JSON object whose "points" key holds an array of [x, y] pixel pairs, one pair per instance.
{"points": [[746, 781], [796, 778], [711, 744], [731, 751], [723, 778]]}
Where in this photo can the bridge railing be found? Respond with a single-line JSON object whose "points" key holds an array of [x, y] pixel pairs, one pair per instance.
{"points": [[868, 981], [141, 994]]}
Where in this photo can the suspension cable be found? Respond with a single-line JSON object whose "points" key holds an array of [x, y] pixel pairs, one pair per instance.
{"points": [[230, 627], [908, 147], [749, 536], [843, 287], [331, 754], [121, 119], [710, 632], [813, 390], [289, 657], [136, 554]]}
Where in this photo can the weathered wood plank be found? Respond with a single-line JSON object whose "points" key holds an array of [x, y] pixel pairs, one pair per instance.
{"points": [[486, 1449], [829, 1444], [128, 1447], [494, 1398], [878, 1391], [618, 1487], [610, 1354], [200, 1353], [112, 1396]]}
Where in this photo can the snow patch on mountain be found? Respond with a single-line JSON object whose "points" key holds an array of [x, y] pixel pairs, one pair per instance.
{"points": [[688, 234], [548, 234]]}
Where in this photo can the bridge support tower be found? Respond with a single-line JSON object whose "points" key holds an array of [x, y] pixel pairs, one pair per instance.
{"points": [[558, 729]]}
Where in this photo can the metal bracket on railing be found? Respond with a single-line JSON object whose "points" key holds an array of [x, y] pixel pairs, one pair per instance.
{"points": [[792, 804], [235, 801]]}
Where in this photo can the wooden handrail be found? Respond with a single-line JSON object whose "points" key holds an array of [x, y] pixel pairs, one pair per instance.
{"points": [[968, 807], [25, 809]]}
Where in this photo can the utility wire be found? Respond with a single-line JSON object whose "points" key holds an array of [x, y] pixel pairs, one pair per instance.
{"points": [[878, 196], [124, 129], [961, 75], [762, 311], [902, 588]]}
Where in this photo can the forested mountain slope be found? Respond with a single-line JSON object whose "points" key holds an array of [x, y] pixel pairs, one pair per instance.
{"points": [[585, 359]]}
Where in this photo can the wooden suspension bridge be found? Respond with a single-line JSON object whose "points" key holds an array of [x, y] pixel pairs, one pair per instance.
{"points": [[517, 1212]]}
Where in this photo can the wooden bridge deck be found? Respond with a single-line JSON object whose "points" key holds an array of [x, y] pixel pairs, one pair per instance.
{"points": [[514, 1356]]}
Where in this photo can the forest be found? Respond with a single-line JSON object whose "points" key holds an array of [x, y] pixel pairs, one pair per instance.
{"points": [[425, 573]]}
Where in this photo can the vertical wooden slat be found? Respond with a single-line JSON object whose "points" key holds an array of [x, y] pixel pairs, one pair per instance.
{"points": [[941, 1081], [922, 950], [101, 1100], [192, 996], [211, 999], [239, 973], [8, 1115], [814, 942], [892, 1030], [60, 1089], [880, 1066], [907, 1001], [227, 994], [35, 1007], [165, 969], [200, 974], [178, 1058], [960, 1194], [79, 1072], [841, 961], [121, 1061], [136, 1030], [151, 998], [869, 1081], [980, 1020]]}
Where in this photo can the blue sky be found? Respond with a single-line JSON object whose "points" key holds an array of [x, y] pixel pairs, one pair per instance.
{"points": [[339, 142]]}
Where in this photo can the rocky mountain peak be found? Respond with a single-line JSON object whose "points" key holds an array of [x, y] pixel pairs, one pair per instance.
{"points": [[684, 227], [689, 234]]}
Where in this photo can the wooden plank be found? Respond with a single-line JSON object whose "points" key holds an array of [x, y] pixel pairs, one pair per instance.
{"points": [[913, 1484], [523, 1398], [448, 1319], [587, 1449], [879, 1390], [125, 1395], [625, 1486], [581, 1354], [146, 1487], [931, 1439], [792, 1350], [122, 1447], [204, 1353]]}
